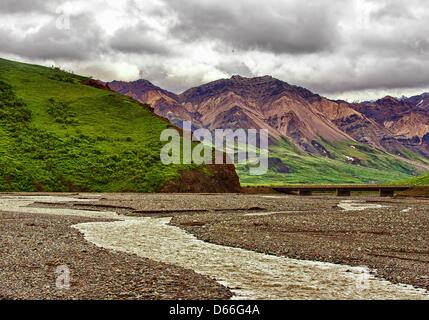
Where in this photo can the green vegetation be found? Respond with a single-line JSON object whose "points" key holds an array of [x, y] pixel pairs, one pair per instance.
{"points": [[60, 135], [418, 181], [61, 112], [369, 166]]}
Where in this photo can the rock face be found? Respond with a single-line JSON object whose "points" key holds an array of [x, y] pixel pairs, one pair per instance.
{"points": [[405, 122], [96, 84], [278, 166], [219, 179], [291, 112], [164, 103]]}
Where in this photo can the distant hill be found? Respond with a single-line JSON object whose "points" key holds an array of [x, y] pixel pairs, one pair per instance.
{"points": [[58, 134], [418, 181], [313, 139]]}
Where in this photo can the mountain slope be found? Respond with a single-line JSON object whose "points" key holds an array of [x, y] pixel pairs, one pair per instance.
{"points": [[405, 123], [313, 138], [261, 103], [61, 135], [163, 102]]}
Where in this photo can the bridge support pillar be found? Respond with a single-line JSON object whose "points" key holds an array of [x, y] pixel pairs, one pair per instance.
{"points": [[343, 193], [305, 193], [387, 193]]}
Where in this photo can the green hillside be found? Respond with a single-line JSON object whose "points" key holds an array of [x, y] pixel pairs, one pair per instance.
{"points": [[373, 167], [419, 181], [60, 135]]}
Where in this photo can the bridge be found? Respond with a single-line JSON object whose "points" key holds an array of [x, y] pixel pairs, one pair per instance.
{"points": [[341, 190]]}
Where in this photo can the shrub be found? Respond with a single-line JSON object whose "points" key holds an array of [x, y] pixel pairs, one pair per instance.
{"points": [[61, 112]]}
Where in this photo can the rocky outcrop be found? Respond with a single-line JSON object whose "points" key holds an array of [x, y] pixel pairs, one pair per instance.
{"points": [[215, 179], [96, 84], [277, 165]]}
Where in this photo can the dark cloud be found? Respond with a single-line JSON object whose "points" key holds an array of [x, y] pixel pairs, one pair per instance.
{"points": [[281, 27], [391, 74], [54, 41], [25, 6], [138, 39]]}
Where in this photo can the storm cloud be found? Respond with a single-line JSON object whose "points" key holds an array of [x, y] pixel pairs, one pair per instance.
{"points": [[55, 42], [138, 39], [351, 49], [275, 26], [18, 6]]}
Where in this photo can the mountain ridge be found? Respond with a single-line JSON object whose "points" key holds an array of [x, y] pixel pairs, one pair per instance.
{"points": [[290, 111], [300, 123]]}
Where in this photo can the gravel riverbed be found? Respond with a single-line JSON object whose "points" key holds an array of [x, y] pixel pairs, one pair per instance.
{"points": [[34, 246], [389, 236]]}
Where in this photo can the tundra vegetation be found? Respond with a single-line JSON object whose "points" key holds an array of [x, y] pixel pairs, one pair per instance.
{"points": [[58, 134]]}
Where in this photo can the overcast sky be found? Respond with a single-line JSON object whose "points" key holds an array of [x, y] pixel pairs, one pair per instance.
{"points": [[350, 49]]}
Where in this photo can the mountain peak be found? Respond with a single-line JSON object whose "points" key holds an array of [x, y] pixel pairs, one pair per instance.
{"points": [[140, 83], [144, 83], [237, 77], [254, 80], [140, 87], [389, 98]]}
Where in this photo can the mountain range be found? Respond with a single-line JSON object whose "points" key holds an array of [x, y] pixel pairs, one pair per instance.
{"points": [[291, 112], [383, 139]]}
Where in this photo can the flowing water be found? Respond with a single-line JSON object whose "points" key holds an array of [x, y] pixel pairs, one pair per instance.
{"points": [[249, 274], [356, 205]]}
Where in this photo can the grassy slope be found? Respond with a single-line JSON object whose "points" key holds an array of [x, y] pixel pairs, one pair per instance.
{"points": [[418, 181], [376, 167], [60, 135]]}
